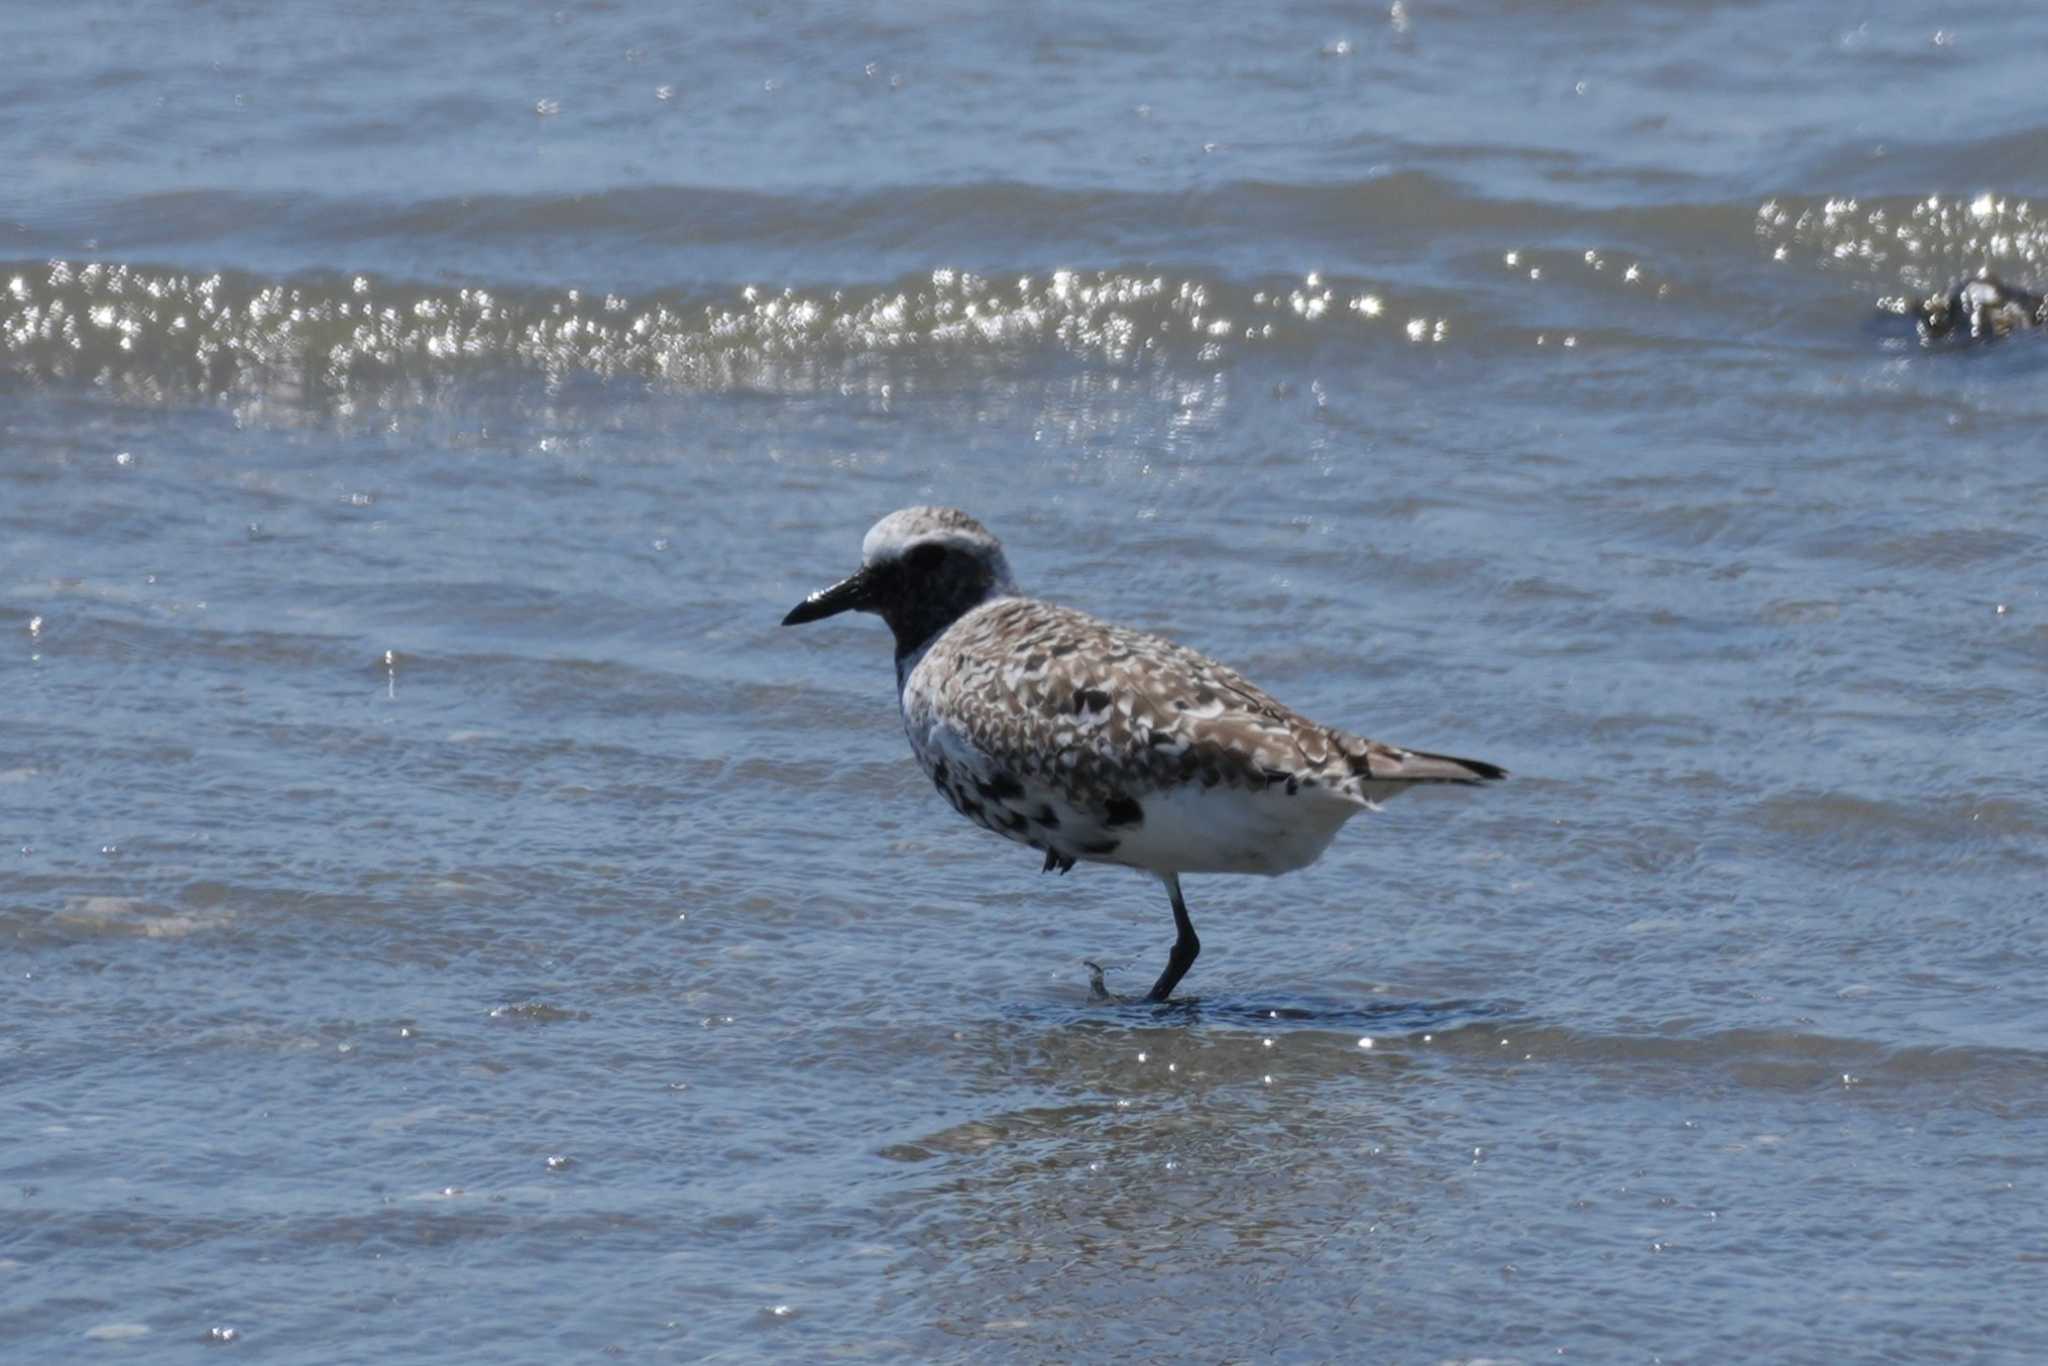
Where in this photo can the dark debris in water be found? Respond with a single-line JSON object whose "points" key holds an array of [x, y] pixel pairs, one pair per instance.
{"points": [[1981, 309], [536, 1012]]}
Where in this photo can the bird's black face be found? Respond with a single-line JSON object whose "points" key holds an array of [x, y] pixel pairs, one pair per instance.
{"points": [[919, 593]]}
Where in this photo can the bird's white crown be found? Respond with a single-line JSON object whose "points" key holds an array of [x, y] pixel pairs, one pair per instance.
{"points": [[897, 534]]}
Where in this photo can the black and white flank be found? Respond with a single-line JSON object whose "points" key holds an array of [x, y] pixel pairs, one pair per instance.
{"points": [[1096, 744]]}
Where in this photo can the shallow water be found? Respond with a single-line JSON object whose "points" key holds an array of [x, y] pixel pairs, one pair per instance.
{"points": [[450, 919]]}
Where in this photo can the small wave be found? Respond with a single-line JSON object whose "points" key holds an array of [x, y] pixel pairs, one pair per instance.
{"points": [[1767, 1059], [327, 342], [1916, 244], [109, 917]]}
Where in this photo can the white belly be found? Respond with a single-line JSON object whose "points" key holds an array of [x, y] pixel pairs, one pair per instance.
{"points": [[1195, 829]]}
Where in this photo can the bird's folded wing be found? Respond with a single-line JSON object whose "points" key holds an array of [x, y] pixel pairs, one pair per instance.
{"points": [[1111, 712]]}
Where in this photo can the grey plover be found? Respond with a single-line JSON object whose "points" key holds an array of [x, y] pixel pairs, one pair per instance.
{"points": [[1094, 743]]}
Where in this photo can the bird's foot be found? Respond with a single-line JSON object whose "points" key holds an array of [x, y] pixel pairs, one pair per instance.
{"points": [[1099, 992]]}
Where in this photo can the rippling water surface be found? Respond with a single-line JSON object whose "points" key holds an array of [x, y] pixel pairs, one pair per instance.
{"points": [[448, 919]]}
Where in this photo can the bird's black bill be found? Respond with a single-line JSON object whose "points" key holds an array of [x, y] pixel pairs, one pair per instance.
{"points": [[845, 596]]}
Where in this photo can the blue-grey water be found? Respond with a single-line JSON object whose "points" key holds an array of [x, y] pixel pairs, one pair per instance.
{"points": [[446, 918]]}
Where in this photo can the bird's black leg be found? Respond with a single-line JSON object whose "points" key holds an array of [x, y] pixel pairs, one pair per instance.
{"points": [[1185, 946]]}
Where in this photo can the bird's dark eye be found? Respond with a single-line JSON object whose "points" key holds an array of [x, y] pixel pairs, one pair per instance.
{"points": [[925, 558]]}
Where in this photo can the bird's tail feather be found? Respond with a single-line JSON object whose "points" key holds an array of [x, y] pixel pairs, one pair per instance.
{"points": [[1414, 766], [1379, 763]]}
